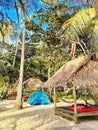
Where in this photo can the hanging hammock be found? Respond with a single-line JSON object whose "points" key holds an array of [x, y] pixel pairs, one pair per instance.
{"points": [[80, 92]]}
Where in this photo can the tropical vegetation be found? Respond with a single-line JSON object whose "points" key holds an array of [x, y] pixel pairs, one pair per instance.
{"points": [[39, 43]]}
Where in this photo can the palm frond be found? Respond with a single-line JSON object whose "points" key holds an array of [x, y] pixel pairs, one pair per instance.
{"points": [[83, 29], [72, 28], [50, 1], [93, 36]]}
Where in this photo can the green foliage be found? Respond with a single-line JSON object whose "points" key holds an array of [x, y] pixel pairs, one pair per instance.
{"points": [[50, 1], [54, 56], [77, 23], [82, 28], [50, 54], [2, 69], [13, 74], [53, 19], [29, 90], [41, 57], [69, 85]]}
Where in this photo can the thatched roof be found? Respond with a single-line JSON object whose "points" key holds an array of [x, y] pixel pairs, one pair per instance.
{"points": [[66, 72], [87, 76], [34, 83]]}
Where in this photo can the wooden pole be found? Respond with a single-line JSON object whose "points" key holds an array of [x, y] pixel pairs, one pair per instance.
{"points": [[54, 97], [75, 104]]}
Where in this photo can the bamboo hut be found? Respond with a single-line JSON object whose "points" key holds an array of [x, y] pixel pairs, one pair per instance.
{"points": [[84, 74], [87, 76], [33, 83]]}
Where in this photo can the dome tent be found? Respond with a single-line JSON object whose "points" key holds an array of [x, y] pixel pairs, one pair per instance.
{"points": [[38, 98]]}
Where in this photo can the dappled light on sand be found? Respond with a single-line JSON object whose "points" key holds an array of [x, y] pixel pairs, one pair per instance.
{"points": [[41, 117]]}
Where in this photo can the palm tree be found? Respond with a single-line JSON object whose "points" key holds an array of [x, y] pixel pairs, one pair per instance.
{"points": [[82, 28], [69, 22], [19, 103], [5, 30]]}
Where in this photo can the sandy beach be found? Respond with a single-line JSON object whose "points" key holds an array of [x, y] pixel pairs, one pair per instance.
{"points": [[40, 117]]}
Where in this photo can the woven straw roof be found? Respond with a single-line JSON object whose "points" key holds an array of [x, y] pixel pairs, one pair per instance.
{"points": [[34, 83], [66, 72], [87, 76]]}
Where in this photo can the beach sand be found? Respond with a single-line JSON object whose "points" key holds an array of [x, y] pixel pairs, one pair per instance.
{"points": [[41, 117]]}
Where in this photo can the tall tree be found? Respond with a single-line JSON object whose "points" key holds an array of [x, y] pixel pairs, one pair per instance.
{"points": [[5, 32], [7, 5], [19, 102]]}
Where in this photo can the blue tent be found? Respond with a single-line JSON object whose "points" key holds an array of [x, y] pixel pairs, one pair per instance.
{"points": [[38, 98]]}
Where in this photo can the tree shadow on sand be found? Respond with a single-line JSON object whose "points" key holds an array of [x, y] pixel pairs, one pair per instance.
{"points": [[26, 119], [73, 128]]}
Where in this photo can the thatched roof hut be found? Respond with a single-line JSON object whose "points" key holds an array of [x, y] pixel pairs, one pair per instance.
{"points": [[34, 83], [67, 71], [87, 77], [82, 72]]}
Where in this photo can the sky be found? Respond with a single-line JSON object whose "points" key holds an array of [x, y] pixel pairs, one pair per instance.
{"points": [[12, 15], [11, 12], [36, 5]]}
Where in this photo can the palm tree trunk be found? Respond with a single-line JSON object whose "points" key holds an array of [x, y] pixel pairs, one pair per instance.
{"points": [[14, 60], [4, 91], [19, 103], [96, 7]]}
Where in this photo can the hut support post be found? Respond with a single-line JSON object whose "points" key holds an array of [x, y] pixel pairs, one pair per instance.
{"points": [[75, 104], [54, 97]]}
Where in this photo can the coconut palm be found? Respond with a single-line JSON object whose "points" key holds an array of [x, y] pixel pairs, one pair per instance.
{"points": [[82, 28], [90, 32], [19, 103], [24, 7], [5, 31]]}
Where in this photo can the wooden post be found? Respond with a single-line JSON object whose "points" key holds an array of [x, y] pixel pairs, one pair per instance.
{"points": [[75, 104], [54, 97]]}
